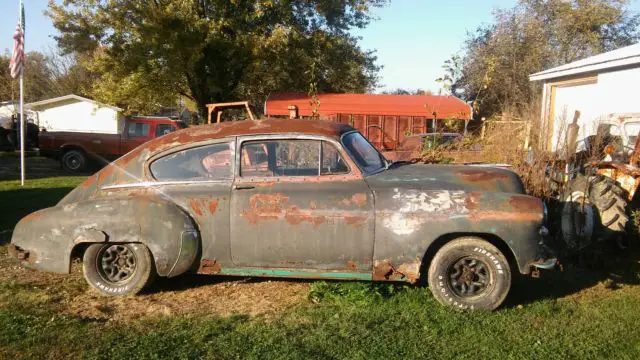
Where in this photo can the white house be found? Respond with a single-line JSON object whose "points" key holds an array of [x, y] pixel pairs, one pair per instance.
{"points": [[595, 87], [77, 114]]}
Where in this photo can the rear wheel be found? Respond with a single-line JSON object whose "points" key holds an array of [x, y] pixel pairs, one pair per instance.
{"points": [[118, 269], [74, 160], [470, 273], [594, 208]]}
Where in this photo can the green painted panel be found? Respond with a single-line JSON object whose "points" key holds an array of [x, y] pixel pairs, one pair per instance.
{"points": [[295, 273]]}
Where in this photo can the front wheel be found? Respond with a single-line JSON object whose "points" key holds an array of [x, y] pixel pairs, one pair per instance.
{"points": [[470, 273], [118, 269]]}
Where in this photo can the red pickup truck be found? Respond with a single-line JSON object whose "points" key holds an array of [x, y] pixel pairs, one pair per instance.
{"points": [[75, 149]]}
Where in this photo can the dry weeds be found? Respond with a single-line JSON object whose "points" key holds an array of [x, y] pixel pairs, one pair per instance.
{"points": [[198, 295]]}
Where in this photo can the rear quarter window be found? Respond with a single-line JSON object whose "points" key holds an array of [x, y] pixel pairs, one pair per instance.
{"points": [[210, 162]]}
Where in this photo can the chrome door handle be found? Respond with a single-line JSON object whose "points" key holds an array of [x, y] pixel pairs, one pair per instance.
{"points": [[244, 187]]}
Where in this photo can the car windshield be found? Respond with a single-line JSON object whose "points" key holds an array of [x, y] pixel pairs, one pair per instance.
{"points": [[363, 153]]}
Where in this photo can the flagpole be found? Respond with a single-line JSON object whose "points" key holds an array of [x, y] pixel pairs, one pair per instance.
{"points": [[22, 122]]}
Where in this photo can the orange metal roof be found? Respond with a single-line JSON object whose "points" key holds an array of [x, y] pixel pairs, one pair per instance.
{"points": [[446, 107]]}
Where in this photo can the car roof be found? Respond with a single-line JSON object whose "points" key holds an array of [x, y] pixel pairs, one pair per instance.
{"points": [[249, 127], [129, 168]]}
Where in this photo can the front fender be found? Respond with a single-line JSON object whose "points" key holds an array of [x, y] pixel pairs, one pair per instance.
{"points": [[409, 221], [46, 238]]}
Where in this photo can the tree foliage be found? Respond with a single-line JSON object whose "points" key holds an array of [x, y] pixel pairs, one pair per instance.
{"points": [[533, 36], [149, 52], [45, 76]]}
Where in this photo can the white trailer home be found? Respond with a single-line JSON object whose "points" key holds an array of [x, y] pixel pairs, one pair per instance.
{"points": [[75, 113], [595, 87]]}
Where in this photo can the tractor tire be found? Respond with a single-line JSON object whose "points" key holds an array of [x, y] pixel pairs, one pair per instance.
{"points": [[593, 208]]}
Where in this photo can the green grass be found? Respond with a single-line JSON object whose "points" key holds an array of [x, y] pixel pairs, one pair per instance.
{"points": [[338, 320], [406, 324]]}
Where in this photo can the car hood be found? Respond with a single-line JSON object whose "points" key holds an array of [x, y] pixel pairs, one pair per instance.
{"points": [[447, 177]]}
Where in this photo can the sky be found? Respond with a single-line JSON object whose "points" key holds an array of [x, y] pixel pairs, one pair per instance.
{"points": [[412, 38]]}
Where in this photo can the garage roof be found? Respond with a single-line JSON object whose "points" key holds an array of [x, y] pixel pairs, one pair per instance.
{"points": [[446, 107], [66, 98], [626, 56]]}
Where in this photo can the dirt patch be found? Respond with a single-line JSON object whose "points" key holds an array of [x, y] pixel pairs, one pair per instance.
{"points": [[220, 298], [186, 295]]}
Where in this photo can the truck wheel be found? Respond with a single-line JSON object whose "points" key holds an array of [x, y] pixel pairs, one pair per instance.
{"points": [[118, 269], [74, 160], [593, 207], [470, 273]]}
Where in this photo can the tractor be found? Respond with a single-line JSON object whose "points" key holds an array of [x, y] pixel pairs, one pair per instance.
{"points": [[596, 181]]}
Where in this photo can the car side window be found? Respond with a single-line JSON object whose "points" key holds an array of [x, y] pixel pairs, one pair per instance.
{"points": [[280, 158], [138, 129], [210, 162], [332, 161], [163, 129]]}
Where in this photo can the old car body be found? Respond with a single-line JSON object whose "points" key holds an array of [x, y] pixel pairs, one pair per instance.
{"points": [[264, 209]]}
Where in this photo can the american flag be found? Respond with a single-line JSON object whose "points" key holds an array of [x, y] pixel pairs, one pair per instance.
{"points": [[17, 58]]}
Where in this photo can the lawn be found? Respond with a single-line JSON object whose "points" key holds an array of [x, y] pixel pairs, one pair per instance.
{"points": [[577, 313]]}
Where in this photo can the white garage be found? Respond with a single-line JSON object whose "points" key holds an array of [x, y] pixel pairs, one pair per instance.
{"points": [[77, 114], [589, 89]]}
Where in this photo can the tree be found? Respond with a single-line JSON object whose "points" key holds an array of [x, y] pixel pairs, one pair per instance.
{"points": [[400, 91], [45, 76], [149, 52], [452, 72], [533, 36]]}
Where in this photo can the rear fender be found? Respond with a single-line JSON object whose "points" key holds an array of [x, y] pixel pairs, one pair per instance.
{"points": [[50, 235]]}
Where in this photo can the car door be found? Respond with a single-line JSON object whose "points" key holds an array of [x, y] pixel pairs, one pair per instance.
{"points": [[300, 203], [138, 132], [198, 178]]}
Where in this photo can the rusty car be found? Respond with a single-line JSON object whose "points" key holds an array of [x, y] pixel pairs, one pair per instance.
{"points": [[290, 198]]}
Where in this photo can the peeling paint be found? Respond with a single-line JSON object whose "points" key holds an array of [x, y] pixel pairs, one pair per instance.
{"points": [[417, 206]]}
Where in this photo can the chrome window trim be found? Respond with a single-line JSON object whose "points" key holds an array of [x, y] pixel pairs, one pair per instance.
{"points": [[284, 136], [364, 173], [164, 183]]}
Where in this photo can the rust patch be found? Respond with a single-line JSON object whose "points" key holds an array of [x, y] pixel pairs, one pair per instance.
{"points": [[352, 265], [481, 175], [275, 207], [472, 200], [357, 221], [213, 206], [385, 271], [359, 199], [505, 216], [195, 206], [108, 171], [382, 270], [209, 267], [295, 216], [33, 216], [526, 204], [265, 207], [91, 180]]}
